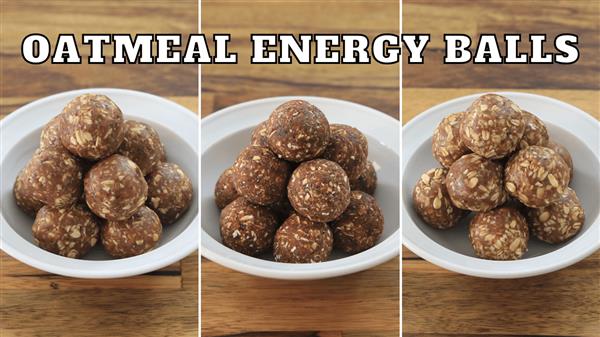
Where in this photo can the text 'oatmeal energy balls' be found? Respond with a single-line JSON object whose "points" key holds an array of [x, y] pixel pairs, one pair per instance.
{"points": [[301, 190], [516, 180], [86, 183]]}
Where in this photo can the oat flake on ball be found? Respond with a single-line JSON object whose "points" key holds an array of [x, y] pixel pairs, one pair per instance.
{"points": [[141, 143], [360, 226], [475, 183], [297, 131], [115, 188], [70, 231], [537, 176], [91, 126], [432, 202], [170, 192], [492, 126], [499, 234], [319, 190], [225, 191], [300, 240], [133, 236], [53, 176], [247, 228], [260, 176], [446, 144], [559, 221], [347, 147]]}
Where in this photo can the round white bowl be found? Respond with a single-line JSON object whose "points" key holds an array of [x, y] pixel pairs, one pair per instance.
{"points": [[20, 132], [451, 249], [227, 132]]}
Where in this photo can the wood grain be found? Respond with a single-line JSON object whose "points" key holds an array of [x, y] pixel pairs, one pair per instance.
{"points": [[363, 304]]}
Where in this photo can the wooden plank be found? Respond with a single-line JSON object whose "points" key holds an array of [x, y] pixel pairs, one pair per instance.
{"points": [[366, 301]]}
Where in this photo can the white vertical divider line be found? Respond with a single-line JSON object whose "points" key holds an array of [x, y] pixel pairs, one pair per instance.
{"points": [[200, 179], [400, 169]]}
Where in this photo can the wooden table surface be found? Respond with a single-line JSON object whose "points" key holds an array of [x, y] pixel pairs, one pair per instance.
{"points": [[363, 304], [437, 302], [34, 303]]}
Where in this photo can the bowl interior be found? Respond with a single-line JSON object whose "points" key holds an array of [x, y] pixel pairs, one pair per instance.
{"points": [[584, 182], [178, 151], [223, 153]]}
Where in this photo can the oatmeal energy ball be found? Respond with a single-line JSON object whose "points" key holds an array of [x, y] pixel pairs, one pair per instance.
{"points": [[319, 190], [559, 221], [360, 226], [348, 148], [492, 126], [24, 196], [446, 145], [499, 234], [260, 136], [367, 181], [300, 240], [431, 200], [53, 177], [115, 188], [133, 236], [50, 137], [259, 176], [297, 131], [475, 183], [535, 131], [248, 228], [170, 192], [142, 144], [225, 191], [564, 153], [70, 231], [537, 176], [91, 126]]}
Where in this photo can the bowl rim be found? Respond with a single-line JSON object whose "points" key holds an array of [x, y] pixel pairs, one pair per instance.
{"points": [[574, 251], [170, 252], [380, 253]]}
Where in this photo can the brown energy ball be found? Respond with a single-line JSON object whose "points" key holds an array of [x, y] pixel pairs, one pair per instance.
{"points": [[53, 176], [170, 192], [446, 144], [367, 181], [319, 190], [535, 131], [24, 196], [360, 226], [431, 200], [558, 222], [91, 126], [492, 126], [348, 148], [225, 191], [133, 236], [69, 232], [475, 183], [142, 144], [297, 131], [260, 176], [537, 176], [248, 228], [50, 137], [564, 153], [260, 135], [115, 188], [499, 234], [300, 240]]}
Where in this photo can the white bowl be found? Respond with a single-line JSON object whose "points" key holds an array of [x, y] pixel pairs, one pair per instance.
{"points": [[227, 132], [178, 130], [451, 249]]}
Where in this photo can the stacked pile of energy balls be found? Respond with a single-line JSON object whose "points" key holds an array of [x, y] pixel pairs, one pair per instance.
{"points": [[96, 177], [300, 189], [499, 162]]}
